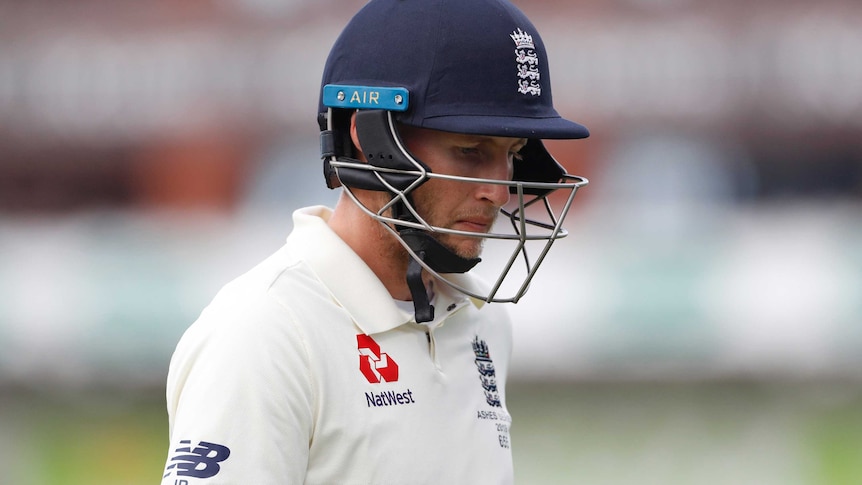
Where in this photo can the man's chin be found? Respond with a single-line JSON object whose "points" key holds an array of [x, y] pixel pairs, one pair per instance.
{"points": [[467, 248]]}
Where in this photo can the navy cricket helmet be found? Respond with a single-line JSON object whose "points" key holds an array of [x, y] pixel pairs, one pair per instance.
{"points": [[463, 66]]}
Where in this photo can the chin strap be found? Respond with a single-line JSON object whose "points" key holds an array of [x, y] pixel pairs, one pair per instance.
{"points": [[438, 257], [421, 305]]}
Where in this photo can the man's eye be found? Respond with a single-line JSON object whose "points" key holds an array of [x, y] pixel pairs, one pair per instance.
{"points": [[469, 150]]}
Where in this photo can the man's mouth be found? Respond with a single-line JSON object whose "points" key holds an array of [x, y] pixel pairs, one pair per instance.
{"points": [[475, 224]]}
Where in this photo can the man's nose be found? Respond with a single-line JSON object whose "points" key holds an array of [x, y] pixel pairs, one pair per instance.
{"points": [[497, 194]]}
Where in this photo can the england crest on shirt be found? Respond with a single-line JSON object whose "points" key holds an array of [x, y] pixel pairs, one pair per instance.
{"points": [[487, 375]]}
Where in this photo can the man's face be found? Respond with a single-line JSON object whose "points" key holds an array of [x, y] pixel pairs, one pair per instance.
{"points": [[462, 206]]}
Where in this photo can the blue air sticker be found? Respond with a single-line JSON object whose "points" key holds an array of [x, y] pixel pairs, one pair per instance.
{"points": [[199, 461], [365, 97]]}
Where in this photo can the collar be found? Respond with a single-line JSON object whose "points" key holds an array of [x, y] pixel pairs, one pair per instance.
{"points": [[349, 280], [447, 300]]}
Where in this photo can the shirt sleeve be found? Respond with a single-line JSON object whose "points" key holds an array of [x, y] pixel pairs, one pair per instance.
{"points": [[240, 398]]}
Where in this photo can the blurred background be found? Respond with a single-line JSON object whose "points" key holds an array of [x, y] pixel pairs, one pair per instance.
{"points": [[702, 324]]}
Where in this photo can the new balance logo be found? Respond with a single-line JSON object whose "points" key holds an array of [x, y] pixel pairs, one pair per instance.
{"points": [[200, 461], [375, 365]]}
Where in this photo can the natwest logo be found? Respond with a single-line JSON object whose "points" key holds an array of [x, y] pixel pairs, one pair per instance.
{"points": [[375, 365]]}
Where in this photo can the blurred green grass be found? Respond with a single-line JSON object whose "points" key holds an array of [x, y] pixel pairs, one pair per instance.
{"points": [[563, 433], [97, 437], [688, 433]]}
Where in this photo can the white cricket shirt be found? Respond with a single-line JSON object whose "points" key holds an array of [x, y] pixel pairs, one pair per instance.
{"points": [[306, 371]]}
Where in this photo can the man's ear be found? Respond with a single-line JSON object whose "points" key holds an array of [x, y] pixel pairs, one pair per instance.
{"points": [[355, 137]]}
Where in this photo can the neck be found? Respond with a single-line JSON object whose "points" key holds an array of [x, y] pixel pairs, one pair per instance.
{"points": [[374, 244]]}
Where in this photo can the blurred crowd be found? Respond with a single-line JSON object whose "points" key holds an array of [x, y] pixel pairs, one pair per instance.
{"points": [[149, 150], [176, 105]]}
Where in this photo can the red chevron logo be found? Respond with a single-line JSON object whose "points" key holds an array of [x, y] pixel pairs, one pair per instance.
{"points": [[375, 365]]}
